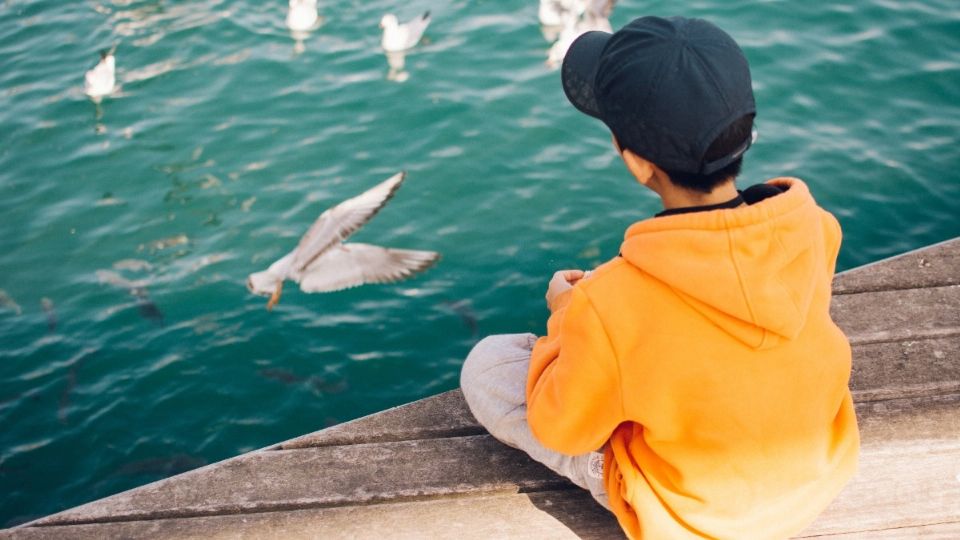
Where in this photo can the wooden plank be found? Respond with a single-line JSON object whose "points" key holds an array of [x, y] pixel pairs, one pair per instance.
{"points": [[568, 514], [327, 476], [932, 266], [443, 415], [905, 453], [904, 369], [901, 484], [939, 531], [928, 420], [898, 315]]}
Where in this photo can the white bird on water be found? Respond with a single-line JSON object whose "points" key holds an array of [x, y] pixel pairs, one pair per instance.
{"points": [[595, 15], [302, 15], [101, 80], [557, 12], [322, 262], [400, 37]]}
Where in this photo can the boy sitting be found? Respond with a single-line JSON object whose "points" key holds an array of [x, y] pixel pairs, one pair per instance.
{"points": [[695, 384]]}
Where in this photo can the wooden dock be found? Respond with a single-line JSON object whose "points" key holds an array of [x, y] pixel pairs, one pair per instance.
{"points": [[427, 470]]}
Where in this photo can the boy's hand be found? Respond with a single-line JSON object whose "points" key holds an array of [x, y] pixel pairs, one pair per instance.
{"points": [[562, 281]]}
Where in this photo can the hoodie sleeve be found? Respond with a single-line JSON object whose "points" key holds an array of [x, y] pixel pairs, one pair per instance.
{"points": [[833, 236], [573, 387]]}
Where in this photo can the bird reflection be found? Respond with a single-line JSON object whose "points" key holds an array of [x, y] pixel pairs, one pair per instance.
{"points": [[396, 60]]}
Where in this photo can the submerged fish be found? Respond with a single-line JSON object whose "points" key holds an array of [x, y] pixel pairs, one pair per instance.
{"points": [[464, 309], [7, 302], [47, 305], [323, 386], [137, 288], [317, 383], [280, 374], [145, 306], [65, 396], [166, 466]]}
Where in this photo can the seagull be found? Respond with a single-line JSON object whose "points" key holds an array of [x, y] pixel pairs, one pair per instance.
{"points": [[595, 16], [571, 31], [302, 15], [557, 12], [100, 81], [323, 262], [400, 37]]}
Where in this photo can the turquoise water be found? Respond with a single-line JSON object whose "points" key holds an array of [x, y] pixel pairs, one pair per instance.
{"points": [[224, 144]]}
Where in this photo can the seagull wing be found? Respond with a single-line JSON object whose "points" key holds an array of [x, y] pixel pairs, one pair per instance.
{"points": [[415, 30], [351, 265], [337, 223]]}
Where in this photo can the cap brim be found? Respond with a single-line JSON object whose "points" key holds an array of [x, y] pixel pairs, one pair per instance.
{"points": [[580, 69]]}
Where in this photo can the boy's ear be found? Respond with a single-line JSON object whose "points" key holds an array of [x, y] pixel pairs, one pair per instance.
{"points": [[640, 168]]}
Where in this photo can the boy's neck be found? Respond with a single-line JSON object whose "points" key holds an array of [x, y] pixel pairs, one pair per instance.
{"points": [[677, 197]]}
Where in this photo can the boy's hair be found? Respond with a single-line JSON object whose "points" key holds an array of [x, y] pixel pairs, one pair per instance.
{"points": [[725, 143]]}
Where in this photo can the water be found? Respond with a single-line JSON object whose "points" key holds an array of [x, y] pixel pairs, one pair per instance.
{"points": [[226, 143]]}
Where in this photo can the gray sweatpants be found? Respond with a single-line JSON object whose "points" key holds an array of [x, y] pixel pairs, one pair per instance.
{"points": [[494, 381]]}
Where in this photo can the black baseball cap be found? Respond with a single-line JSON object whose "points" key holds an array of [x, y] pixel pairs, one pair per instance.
{"points": [[666, 88]]}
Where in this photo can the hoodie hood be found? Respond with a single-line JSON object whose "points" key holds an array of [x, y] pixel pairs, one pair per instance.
{"points": [[751, 270]]}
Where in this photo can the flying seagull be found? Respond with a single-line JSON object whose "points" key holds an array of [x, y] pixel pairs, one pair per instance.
{"points": [[100, 80], [400, 37], [322, 262]]}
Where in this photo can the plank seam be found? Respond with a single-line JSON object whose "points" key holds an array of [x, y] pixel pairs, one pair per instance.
{"points": [[559, 484], [948, 285], [904, 255], [919, 336], [901, 527], [467, 431], [894, 288], [921, 394]]}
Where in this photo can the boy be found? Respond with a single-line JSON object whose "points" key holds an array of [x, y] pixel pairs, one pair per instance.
{"points": [[695, 384]]}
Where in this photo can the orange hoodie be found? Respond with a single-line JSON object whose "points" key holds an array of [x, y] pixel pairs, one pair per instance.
{"points": [[706, 357]]}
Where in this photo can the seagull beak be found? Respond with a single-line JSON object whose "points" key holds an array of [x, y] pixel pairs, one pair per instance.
{"points": [[275, 297]]}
